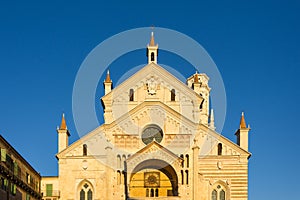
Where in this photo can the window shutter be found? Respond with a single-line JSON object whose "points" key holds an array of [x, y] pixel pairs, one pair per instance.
{"points": [[16, 168], [49, 190], [3, 155]]}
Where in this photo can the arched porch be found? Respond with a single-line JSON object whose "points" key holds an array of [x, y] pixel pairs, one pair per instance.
{"points": [[153, 179]]}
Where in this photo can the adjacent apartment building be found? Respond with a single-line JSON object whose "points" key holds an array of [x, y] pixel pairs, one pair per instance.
{"points": [[18, 179]]}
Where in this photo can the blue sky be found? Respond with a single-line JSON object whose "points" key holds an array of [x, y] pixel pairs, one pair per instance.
{"points": [[255, 45]]}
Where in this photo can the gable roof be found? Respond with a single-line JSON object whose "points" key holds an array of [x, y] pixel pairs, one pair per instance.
{"points": [[225, 140], [153, 145], [152, 68]]}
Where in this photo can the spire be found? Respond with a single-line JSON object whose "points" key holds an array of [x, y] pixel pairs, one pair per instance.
{"points": [[63, 124], [242, 134], [152, 50], [243, 122], [63, 134], [152, 43], [107, 83], [107, 79]]}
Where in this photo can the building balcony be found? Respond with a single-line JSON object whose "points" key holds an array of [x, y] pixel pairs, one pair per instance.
{"points": [[51, 193]]}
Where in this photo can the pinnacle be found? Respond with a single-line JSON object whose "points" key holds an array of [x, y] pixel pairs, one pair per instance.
{"points": [[152, 43], [63, 125], [107, 79], [243, 122]]}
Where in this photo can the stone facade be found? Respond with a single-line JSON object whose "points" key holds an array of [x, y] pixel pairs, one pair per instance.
{"points": [[158, 141]]}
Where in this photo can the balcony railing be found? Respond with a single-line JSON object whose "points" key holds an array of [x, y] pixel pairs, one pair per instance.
{"points": [[19, 180], [51, 193]]}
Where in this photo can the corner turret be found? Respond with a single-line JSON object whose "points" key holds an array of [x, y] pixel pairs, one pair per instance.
{"points": [[242, 133], [63, 134]]}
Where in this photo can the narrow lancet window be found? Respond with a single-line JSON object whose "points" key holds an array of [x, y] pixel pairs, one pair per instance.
{"points": [[173, 95], [152, 193], [182, 163], [220, 149], [152, 56], [222, 195], [84, 150], [201, 105], [90, 194], [182, 177], [187, 176], [82, 195], [131, 95], [214, 195], [187, 160]]}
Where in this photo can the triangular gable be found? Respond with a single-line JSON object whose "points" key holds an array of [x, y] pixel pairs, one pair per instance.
{"points": [[153, 151], [152, 148], [127, 117], [160, 72], [96, 134], [222, 139]]}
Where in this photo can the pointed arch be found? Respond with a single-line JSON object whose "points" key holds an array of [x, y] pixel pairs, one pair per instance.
{"points": [[220, 191], [222, 195], [214, 195], [85, 190], [82, 194]]}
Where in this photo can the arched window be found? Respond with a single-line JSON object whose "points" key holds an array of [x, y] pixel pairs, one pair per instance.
{"points": [[118, 161], [156, 192], [131, 95], [84, 152], [218, 192], [152, 56], [187, 160], [182, 164], [123, 161], [214, 195], [222, 195], [201, 104], [86, 192], [152, 193], [147, 192], [118, 177], [82, 195], [173, 94], [89, 195], [187, 176], [182, 177], [220, 149]]}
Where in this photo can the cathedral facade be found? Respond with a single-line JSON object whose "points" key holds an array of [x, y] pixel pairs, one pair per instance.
{"points": [[158, 141]]}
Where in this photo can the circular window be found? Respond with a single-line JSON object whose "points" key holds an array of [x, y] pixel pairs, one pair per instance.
{"points": [[152, 132]]}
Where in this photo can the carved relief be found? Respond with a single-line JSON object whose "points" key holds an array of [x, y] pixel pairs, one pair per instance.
{"points": [[152, 85]]}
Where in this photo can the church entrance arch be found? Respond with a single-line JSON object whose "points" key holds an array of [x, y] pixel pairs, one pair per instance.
{"points": [[153, 178]]}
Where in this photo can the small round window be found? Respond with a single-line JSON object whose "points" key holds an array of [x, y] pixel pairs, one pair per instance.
{"points": [[152, 132]]}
